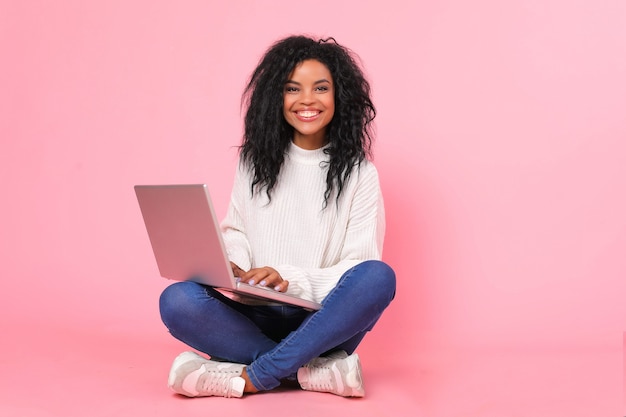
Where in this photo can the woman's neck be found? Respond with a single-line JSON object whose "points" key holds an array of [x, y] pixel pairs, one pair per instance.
{"points": [[309, 142]]}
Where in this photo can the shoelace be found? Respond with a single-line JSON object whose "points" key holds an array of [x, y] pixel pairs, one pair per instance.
{"points": [[320, 378], [217, 382]]}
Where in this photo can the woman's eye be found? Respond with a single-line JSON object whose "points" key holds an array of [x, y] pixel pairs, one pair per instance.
{"points": [[322, 88], [291, 89]]}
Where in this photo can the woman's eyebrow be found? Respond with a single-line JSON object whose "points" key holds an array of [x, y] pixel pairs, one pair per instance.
{"points": [[323, 80]]}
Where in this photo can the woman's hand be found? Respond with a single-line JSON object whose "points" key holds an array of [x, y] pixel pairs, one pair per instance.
{"points": [[237, 272], [265, 277]]}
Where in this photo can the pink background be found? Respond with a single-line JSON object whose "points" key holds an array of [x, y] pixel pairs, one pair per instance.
{"points": [[501, 144]]}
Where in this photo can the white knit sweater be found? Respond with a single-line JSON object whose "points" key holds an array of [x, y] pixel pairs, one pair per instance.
{"points": [[310, 246]]}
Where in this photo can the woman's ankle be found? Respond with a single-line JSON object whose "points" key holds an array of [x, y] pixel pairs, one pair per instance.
{"points": [[249, 387]]}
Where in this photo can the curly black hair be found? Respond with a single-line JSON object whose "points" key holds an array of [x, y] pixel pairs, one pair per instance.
{"points": [[266, 132]]}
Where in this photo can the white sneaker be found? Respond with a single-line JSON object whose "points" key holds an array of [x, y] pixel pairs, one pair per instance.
{"points": [[337, 373], [194, 376]]}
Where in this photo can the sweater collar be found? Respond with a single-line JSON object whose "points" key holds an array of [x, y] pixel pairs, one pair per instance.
{"points": [[305, 156]]}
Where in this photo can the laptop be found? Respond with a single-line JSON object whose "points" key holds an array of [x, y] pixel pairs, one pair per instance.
{"points": [[187, 242]]}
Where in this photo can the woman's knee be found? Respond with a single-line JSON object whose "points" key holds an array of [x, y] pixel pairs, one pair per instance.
{"points": [[176, 298], [377, 277], [380, 274]]}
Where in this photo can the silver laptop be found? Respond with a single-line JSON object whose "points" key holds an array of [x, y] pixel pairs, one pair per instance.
{"points": [[187, 241]]}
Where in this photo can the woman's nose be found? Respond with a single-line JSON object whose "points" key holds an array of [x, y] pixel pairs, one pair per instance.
{"points": [[306, 97]]}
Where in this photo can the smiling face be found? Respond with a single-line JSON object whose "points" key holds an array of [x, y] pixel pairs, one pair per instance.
{"points": [[309, 103]]}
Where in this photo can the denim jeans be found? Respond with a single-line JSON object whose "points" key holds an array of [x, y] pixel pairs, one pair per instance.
{"points": [[274, 341]]}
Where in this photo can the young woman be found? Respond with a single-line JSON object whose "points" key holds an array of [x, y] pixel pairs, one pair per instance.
{"points": [[306, 217]]}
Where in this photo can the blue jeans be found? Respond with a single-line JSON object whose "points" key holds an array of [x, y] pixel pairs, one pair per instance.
{"points": [[274, 341]]}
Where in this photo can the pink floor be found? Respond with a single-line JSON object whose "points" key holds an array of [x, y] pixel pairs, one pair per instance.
{"points": [[121, 370]]}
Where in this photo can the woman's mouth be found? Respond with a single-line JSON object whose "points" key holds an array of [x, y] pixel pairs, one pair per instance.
{"points": [[307, 115]]}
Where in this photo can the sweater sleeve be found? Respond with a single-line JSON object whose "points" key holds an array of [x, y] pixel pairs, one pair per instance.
{"points": [[233, 226], [363, 240]]}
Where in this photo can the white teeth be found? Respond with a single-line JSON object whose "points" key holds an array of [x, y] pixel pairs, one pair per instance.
{"points": [[307, 113]]}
